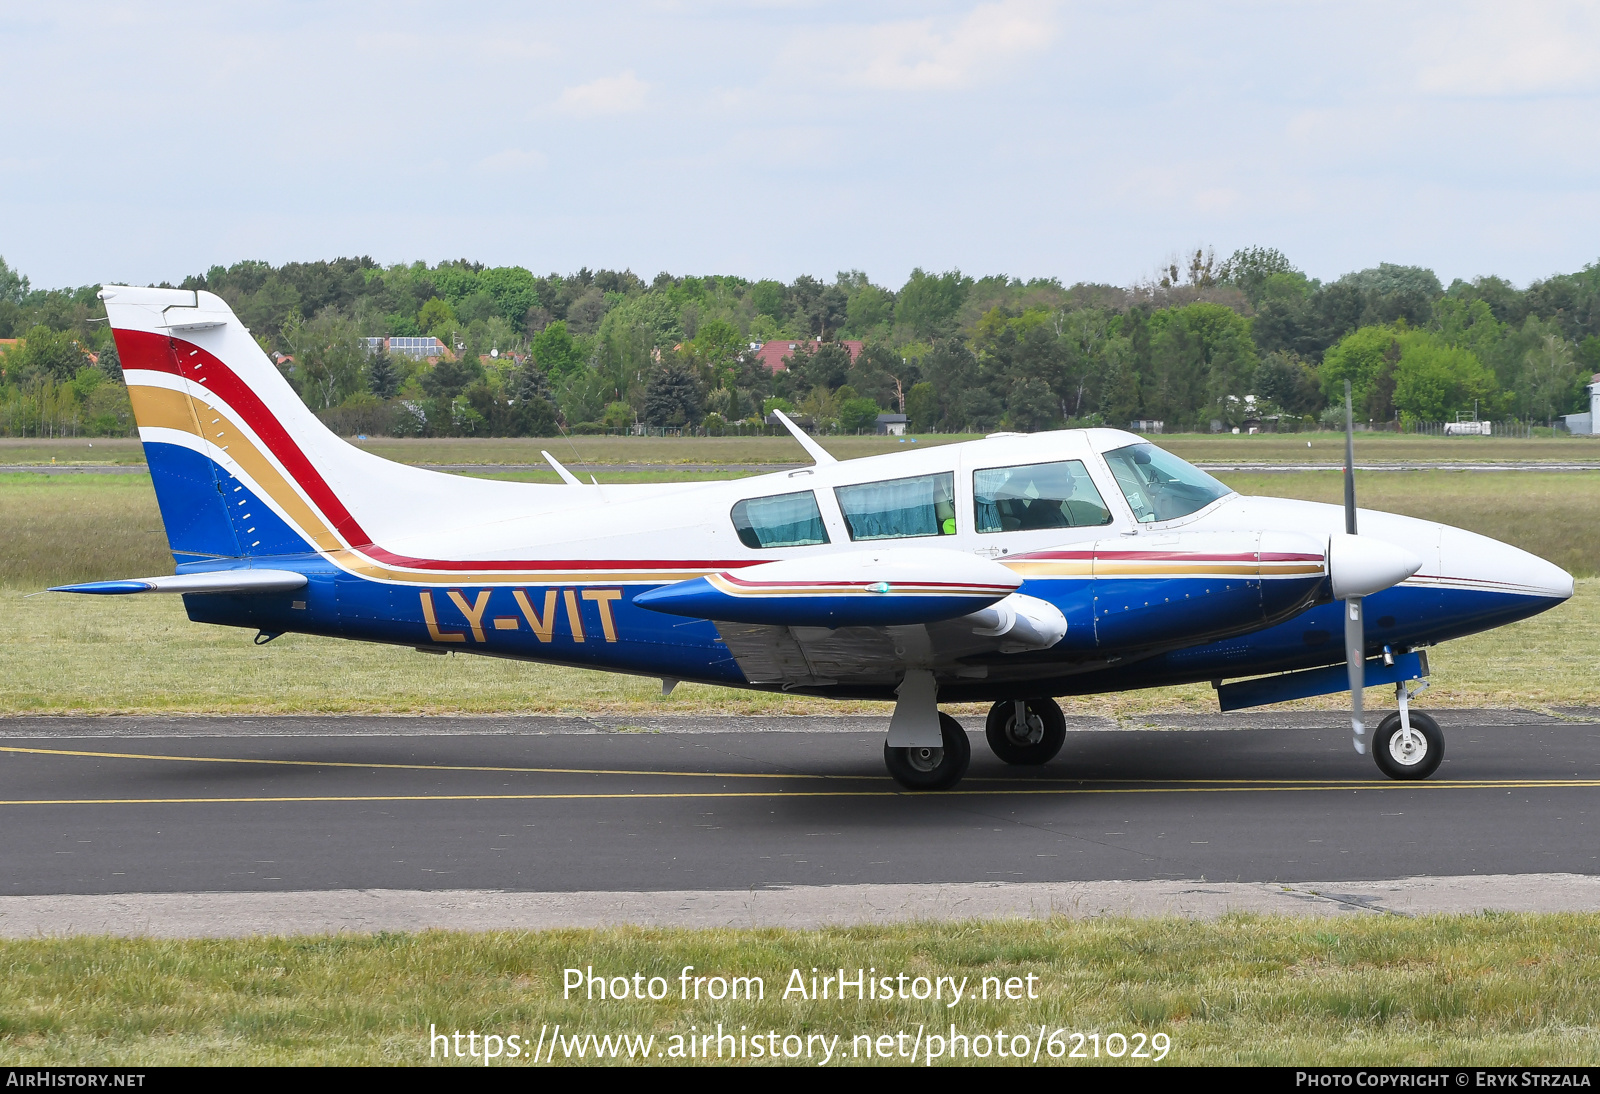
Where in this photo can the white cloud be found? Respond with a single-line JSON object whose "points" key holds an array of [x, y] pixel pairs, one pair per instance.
{"points": [[1526, 48], [920, 55], [607, 95]]}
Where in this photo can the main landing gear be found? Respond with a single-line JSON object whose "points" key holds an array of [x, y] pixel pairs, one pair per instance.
{"points": [[1408, 744], [928, 750], [1020, 731], [1026, 731], [926, 767]]}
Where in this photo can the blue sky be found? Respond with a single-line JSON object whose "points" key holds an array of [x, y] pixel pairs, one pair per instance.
{"points": [[143, 142]]}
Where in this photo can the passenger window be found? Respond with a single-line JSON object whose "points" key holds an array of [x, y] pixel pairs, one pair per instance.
{"points": [[783, 520], [900, 508], [1036, 496]]}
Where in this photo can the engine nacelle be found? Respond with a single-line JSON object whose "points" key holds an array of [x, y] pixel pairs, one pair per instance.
{"points": [[1175, 589]]}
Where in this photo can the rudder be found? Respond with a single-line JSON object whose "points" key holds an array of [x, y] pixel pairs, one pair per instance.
{"points": [[206, 511]]}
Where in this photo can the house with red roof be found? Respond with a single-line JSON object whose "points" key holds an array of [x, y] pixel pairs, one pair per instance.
{"points": [[771, 354]]}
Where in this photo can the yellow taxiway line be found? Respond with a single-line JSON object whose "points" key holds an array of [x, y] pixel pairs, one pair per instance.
{"points": [[419, 767], [1053, 784], [1238, 788]]}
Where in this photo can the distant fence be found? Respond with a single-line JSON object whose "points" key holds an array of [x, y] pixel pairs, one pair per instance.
{"points": [[1508, 428]]}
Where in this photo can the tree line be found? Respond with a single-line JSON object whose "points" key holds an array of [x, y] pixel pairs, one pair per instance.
{"points": [[1203, 344]]}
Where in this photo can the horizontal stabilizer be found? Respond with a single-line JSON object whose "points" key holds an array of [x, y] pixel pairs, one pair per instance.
{"points": [[216, 581], [859, 589]]}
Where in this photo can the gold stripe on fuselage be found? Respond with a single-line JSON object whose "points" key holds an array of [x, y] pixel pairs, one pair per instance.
{"points": [[1109, 568]]}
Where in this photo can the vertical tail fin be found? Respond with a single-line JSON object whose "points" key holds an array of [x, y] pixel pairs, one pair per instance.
{"points": [[207, 510], [243, 469]]}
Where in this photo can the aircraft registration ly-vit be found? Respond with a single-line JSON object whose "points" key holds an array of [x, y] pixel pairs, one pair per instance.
{"points": [[1010, 570]]}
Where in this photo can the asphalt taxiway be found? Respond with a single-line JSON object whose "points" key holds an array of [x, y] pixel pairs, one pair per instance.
{"points": [[271, 815]]}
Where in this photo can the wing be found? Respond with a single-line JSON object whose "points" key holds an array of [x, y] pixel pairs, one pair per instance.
{"points": [[863, 616]]}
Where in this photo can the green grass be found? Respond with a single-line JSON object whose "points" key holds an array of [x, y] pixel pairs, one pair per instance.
{"points": [[1328, 447], [20, 450], [60, 528], [1324, 447], [141, 654], [1456, 990]]}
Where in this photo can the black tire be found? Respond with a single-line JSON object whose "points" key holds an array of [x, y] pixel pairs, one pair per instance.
{"points": [[932, 768], [1393, 759], [1039, 745]]}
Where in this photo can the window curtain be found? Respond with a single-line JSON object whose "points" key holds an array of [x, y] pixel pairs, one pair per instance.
{"points": [[894, 509]]}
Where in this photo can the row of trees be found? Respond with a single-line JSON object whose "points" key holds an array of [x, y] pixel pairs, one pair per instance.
{"points": [[1203, 343]]}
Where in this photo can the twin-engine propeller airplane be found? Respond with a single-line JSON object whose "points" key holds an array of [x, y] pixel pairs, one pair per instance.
{"points": [[1008, 570]]}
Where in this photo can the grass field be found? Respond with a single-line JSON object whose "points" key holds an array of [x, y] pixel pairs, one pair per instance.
{"points": [[1321, 447], [1462, 990], [140, 654]]}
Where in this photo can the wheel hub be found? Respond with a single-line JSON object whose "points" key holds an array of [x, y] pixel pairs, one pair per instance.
{"points": [[925, 759], [1408, 747], [1025, 727]]}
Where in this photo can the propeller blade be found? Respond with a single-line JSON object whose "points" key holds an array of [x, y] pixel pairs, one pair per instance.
{"points": [[1355, 644], [1349, 464]]}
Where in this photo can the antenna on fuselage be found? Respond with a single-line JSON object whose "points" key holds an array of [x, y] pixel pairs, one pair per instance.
{"points": [[817, 453], [566, 476]]}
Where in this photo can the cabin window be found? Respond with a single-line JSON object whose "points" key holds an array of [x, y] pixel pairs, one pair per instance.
{"points": [[900, 508], [783, 520], [1160, 486], [1036, 496]]}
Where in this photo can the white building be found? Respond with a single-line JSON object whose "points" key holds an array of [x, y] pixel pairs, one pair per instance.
{"points": [[1584, 423]]}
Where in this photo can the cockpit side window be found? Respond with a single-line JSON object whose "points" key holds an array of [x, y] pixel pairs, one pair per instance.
{"points": [[1035, 497], [782, 520], [900, 508], [1160, 486]]}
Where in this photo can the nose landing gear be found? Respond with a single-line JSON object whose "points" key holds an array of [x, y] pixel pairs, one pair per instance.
{"points": [[1026, 731], [1408, 744]]}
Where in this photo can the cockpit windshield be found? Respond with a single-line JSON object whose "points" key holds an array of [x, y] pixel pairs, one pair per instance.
{"points": [[1160, 486]]}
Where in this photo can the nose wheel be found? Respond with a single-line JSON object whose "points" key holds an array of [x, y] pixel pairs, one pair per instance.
{"points": [[1408, 752], [925, 768], [1408, 744], [1026, 731]]}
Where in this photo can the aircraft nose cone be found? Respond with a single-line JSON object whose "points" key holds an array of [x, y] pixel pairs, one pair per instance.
{"points": [[1362, 565], [1471, 559]]}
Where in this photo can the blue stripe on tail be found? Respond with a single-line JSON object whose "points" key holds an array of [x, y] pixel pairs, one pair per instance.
{"points": [[209, 513]]}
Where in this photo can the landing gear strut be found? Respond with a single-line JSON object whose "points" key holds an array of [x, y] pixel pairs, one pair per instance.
{"points": [[928, 768], [1026, 731], [1408, 744]]}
